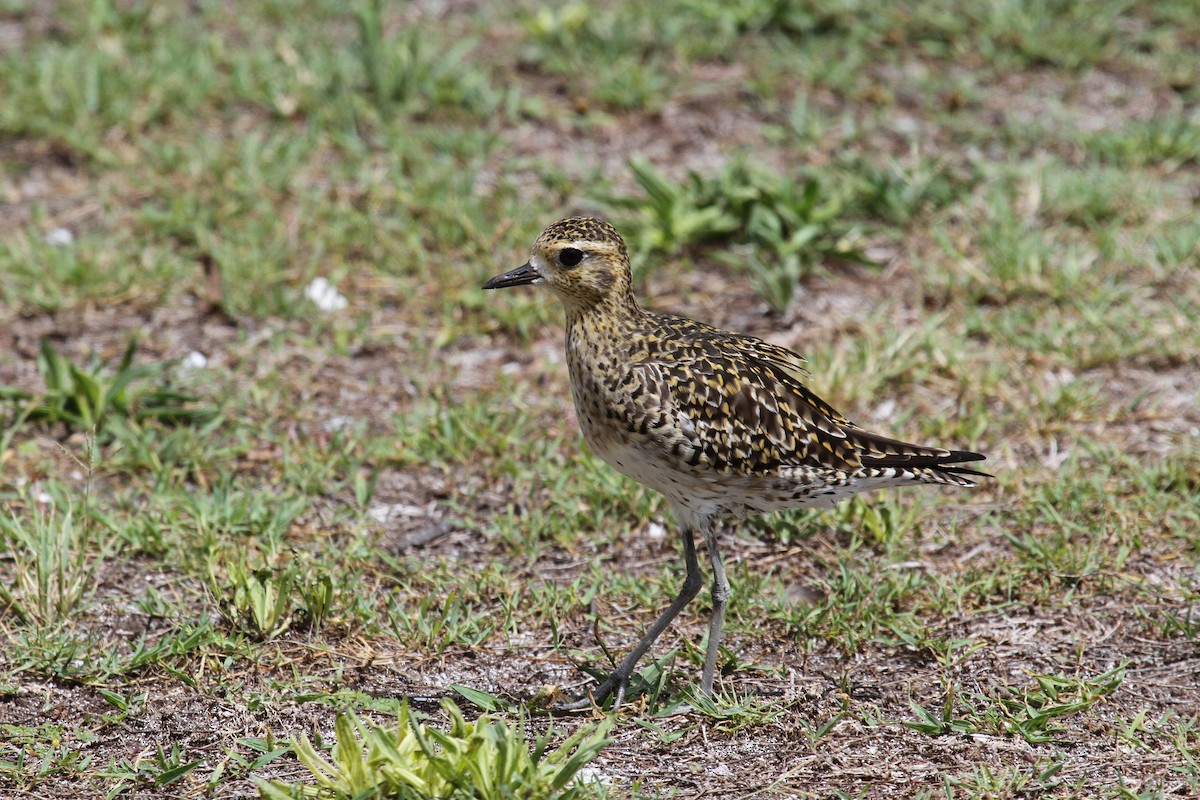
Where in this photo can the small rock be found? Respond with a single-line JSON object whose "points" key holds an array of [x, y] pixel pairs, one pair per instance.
{"points": [[60, 237], [325, 295], [194, 360]]}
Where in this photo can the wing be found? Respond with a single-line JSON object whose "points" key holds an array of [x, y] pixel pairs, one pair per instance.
{"points": [[738, 404]]}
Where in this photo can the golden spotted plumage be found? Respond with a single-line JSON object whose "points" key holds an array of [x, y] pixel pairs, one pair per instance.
{"points": [[720, 423]]}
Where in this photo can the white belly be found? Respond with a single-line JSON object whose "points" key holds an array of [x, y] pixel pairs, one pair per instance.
{"points": [[712, 493]]}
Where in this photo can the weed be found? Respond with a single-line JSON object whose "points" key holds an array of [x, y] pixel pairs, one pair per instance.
{"points": [[160, 767], [84, 398], [897, 192], [671, 215], [55, 561], [784, 229], [264, 600], [860, 606], [1028, 713], [767, 16], [435, 623], [485, 759], [1170, 141], [612, 56], [1183, 622], [406, 74], [730, 713], [987, 781]]}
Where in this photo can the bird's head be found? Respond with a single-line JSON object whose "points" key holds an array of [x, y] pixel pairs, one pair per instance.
{"points": [[582, 259]]}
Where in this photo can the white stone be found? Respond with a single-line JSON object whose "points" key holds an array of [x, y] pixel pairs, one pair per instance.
{"points": [[325, 295], [194, 360], [60, 237]]}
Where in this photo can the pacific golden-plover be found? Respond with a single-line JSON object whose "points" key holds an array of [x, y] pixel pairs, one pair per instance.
{"points": [[721, 424]]}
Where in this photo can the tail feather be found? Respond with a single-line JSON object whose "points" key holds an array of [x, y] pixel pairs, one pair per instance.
{"points": [[926, 464], [964, 470], [880, 451]]}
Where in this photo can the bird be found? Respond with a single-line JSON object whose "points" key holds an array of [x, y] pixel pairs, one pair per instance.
{"points": [[721, 424]]}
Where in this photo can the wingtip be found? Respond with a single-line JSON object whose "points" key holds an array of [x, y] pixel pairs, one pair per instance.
{"points": [[959, 456]]}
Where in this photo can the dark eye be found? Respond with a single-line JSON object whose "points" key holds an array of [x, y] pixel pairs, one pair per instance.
{"points": [[569, 256]]}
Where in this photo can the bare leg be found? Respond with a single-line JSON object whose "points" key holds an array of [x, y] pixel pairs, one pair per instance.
{"points": [[720, 597], [619, 679]]}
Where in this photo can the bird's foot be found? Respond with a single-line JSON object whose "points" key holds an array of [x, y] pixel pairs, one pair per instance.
{"points": [[615, 685]]}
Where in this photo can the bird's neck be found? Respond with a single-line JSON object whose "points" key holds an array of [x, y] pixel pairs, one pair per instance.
{"points": [[616, 307], [605, 323]]}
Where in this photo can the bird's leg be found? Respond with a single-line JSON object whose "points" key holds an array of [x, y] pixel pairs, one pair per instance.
{"points": [[618, 681], [720, 596]]}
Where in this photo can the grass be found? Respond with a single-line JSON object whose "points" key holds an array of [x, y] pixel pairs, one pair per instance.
{"points": [[977, 223], [781, 229]]}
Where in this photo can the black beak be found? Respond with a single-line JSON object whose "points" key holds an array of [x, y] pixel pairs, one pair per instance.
{"points": [[520, 276]]}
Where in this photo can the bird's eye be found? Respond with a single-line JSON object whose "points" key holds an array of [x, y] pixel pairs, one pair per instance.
{"points": [[569, 256]]}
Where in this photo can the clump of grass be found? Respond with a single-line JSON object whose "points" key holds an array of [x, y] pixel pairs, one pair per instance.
{"points": [[264, 602], [896, 191], [54, 566], [482, 760], [84, 398], [783, 228], [406, 73], [1169, 141], [1029, 713], [615, 55], [774, 16]]}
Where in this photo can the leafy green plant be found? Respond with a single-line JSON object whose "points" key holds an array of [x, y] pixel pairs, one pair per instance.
{"points": [[265, 600], [785, 228], [672, 215], [85, 398], [316, 596], [266, 597], [482, 760]]}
